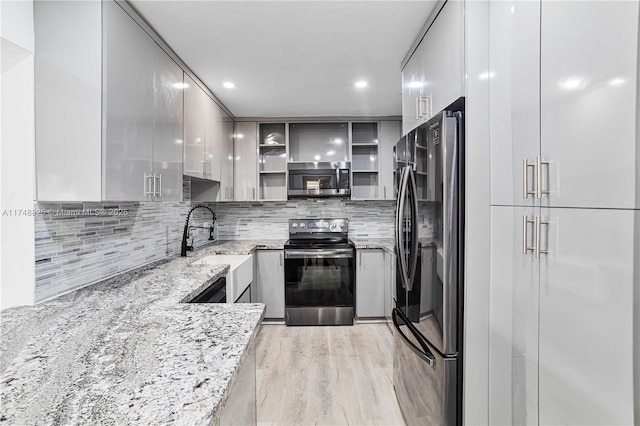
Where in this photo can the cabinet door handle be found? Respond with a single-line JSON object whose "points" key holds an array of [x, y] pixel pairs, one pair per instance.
{"points": [[418, 108], [539, 223], [146, 191], [280, 259], [159, 194], [150, 185], [155, 186], [539, 190], [254, 192], [525, 178], [384, 189], [525, 237], [427, 100], [360, 259]]}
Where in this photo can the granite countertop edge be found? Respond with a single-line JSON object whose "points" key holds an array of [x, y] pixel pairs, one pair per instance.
{"points": [[142, 311]]}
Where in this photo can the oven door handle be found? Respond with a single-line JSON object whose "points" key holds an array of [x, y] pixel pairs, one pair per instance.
{"points": [[318, 253]]}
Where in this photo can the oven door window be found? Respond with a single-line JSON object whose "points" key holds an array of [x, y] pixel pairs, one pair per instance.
{"points": [[312, 281]]}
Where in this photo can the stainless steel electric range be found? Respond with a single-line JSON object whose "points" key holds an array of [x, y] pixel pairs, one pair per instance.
{"points": [[319, 273]]}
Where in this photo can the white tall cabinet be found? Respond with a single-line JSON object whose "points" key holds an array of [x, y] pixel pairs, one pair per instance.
{"points": [[564, 191]]}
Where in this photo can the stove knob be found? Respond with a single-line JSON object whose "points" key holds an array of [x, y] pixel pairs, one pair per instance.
{"points": [[302, 225], [294, 225], [333, 226], [342, 225]]}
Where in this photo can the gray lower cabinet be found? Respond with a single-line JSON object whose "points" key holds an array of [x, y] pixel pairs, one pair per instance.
{"points": [[370, 283], [389, 284], [240, 408], [270, 280]]}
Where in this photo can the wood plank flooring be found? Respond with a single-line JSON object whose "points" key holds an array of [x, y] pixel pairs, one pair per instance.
{"points": [[326, 376]]}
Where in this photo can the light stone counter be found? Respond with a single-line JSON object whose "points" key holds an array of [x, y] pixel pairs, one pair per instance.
{"points": [[238, 247], [126, 351], [386, 244]]}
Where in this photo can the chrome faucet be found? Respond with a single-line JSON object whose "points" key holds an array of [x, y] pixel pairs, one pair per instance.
{"points": [[185, 234]]}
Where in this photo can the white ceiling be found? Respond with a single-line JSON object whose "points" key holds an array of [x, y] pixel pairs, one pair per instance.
{"points": [[294, 58]]}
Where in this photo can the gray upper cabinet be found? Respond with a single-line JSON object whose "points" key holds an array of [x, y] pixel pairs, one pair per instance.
{"points": [[245, 168], [318, 141], [167, 125], [226, 159], [202, 133], [388, 137], [128, 97], [129, 131], [68, 100], [433, 77], [142, 95]]}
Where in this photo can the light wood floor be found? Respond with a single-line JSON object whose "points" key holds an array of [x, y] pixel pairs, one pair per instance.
{"points": [[326, 376]]}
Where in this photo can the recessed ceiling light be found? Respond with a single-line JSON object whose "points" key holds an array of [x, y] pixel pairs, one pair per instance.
{"points": [[415, 84], [228, 85], [180, 85], [239, 135], [317, 158], [332, 152], [361, 84]]}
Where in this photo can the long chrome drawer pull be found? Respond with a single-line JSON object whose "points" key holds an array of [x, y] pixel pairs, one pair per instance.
{"points": [[525, 178], [525, 237], [539, 190], [539, 223]]}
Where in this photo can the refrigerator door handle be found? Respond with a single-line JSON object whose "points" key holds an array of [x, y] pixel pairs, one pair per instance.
{"points": [[402, 260], [413, 260], [424, 354]]}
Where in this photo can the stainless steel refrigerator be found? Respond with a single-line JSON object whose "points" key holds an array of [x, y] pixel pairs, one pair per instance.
{"points": [[429, 236]]}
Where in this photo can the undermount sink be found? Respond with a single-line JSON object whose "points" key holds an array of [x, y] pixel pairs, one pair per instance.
{"points": [[240, 273]]}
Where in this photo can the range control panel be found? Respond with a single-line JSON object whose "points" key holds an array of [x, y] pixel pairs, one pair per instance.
{"points": [[313, 226]]}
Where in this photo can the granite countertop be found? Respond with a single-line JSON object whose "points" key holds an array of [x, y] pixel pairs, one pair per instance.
{"points": [[126, 351], [238, 247], [386, 244]]}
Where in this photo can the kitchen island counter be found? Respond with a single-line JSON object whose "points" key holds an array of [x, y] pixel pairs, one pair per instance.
{"points": [[126, 350]]}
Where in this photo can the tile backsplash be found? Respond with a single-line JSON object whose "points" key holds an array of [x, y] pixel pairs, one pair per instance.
{"points": [[269, 219], [77, 244], [81, 243]]}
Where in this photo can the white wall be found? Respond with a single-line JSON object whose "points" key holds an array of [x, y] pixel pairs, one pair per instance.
{"points": [[17, 170], [478, 216]]}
